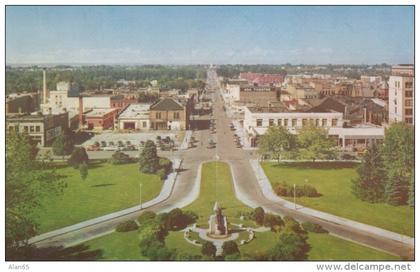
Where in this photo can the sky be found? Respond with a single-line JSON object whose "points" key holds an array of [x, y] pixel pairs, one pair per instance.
{"points": [[209, 34]]}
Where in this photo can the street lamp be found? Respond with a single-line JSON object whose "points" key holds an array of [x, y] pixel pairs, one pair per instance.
{"points": [[141, 184]]}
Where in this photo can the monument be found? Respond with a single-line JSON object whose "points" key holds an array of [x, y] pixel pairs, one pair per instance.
{"points": [[218, 225]]}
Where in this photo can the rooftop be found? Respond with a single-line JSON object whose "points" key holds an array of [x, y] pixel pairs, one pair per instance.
{"points": [[99, 112], [167, 104], [140, 110]]}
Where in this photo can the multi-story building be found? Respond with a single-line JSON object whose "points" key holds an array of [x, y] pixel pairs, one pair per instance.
{"points": [[258, 119], [170, 114], [258, 95], [42, 128], [22, 103], [401, 94], [100, 119]]}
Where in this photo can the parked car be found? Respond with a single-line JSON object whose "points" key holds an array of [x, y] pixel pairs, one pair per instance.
{"points": [[93, 148], [110, 148]]}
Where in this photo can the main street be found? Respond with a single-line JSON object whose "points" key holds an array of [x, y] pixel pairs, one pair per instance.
{"points": [[247, 184]]}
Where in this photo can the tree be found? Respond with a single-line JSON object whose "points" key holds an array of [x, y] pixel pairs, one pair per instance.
{"points": [[63, 144], [315, 144], [83, 169], [259, 215], [230, 248], [27, 181], [398, 152], [290, 247], [58, 146], [78, 156], [274, 222], [370, 184], [208, 249], [277, 142], [149, 160]]}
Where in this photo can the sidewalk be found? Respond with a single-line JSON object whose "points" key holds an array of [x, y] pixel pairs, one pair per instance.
{"points": [[165, 192], [268, 192], [186, 140]]}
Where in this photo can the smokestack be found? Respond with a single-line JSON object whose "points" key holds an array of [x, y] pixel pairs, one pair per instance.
{"points": [[80, 112], [44, 87]]}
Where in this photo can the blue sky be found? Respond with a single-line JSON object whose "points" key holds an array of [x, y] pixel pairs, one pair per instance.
{"points": [[185, 35]]}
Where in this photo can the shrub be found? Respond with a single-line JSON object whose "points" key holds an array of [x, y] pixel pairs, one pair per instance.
{"points": [[284, 189], [78, 156], [259, 215], [166, 164], [230, 248], [161, 173], [146, 217], [312, 227], [208, 249], [127, 226], [290, 246], [273, 221], [120, 158]]}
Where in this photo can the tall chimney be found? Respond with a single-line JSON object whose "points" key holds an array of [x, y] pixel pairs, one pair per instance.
{"points": [[44, 87], [80, 112]]}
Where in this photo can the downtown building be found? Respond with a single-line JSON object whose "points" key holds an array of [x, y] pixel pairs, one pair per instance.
{"points": [[401, 94]]}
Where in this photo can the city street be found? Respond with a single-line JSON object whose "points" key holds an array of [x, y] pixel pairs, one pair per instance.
{"points": [[226, 150]]}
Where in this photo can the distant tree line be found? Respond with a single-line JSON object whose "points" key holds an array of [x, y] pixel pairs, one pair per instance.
{"points": [[351, 71], [103, 76]]}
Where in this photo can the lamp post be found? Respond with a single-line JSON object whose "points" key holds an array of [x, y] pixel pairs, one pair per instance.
{"points": [[294, 194], [141, 184]]}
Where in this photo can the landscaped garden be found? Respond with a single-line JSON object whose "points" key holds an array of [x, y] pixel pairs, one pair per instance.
{"points": [[107, 188], [333, 181], [216, 178]]}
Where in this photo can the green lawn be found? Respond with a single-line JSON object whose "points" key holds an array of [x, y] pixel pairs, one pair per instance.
{"points": [[333, 181], [118, 246], [216, 185], [175, 240], [108, 188], [323, 247]]}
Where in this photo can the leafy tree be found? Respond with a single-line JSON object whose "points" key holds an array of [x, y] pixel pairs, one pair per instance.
{"points": [[398, 151], [370, 184], [63, 144], [274, 222], [315, 144], [27, 181], [259, 215], [277, 142], [78, 156], [290, 247], [83, 169], [58, 146], [230, 248], [208, 249], [149, 160]]}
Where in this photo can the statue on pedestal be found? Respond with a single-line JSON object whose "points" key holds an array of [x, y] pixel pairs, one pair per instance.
{"points": [[218, 225]]}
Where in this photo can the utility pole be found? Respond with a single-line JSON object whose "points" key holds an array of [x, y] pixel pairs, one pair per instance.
{"points": [[294, 194]]}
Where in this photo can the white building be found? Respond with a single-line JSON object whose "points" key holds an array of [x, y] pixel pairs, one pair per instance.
{"points": [[401, 94], [258, 119], [134, 117]]}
